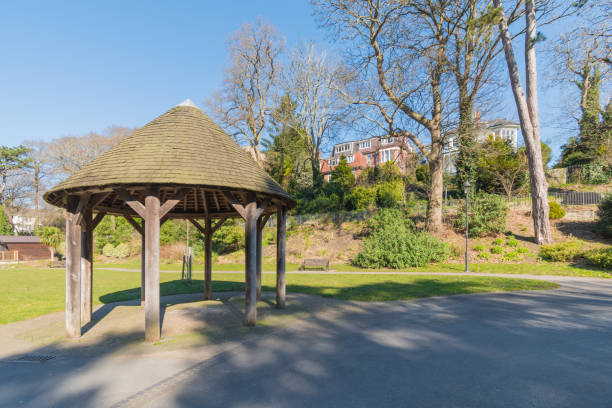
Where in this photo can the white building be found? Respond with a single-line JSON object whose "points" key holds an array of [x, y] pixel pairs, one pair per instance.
{"points": [[23, 224], [502, 128]]}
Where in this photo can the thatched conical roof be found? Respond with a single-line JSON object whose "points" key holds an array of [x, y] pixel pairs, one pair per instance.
{"points": [[181, 148]]}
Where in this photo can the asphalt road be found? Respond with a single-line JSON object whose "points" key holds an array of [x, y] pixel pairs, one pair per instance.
{"points": [[524, 349]]}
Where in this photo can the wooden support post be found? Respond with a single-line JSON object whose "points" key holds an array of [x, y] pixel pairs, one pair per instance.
{"points": [[208, 230], [151, 233], [281, 235], [208, 259], [143, 261], [73, 267], [250, 254], [86, 266], [259, 256]]}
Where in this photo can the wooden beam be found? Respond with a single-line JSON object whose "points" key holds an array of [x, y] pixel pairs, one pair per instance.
{"points": [[258, 257], [73, 268], [197, 225], [218, 224], [97, 199], [134, 224], [240, 209], [250, 253], [94, 223], [264, 220], [82, 206], [171, 203], [143, 261], [262, 207], [281, 236], [204, 203], [208, 232], [214, 194], [86, 267], [134, 204], [152, 307]]}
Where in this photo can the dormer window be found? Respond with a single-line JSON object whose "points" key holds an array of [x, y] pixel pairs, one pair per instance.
{"points": [[386, 140], [333, 162], [343, 148], [364, 144]]}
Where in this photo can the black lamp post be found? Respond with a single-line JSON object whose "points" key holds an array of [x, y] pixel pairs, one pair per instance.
{"points": [[466, 190]]}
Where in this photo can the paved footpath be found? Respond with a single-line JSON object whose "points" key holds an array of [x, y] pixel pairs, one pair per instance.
{"points": [[521, 349]]}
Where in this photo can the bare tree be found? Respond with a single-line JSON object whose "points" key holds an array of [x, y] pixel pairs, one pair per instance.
{"points": [[315, 82], [70, 153], [400, 50], [583, 58], [527, 107], [248, 94], [39, 172]]}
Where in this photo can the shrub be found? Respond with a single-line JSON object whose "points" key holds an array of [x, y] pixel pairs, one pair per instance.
{"points": [[512, 256], [228, 238], [498, 241], [479, 248], [121, 251], [484, 255], [108, 250], [455, 251], [362, 197], [556, 211], [604, 224], [393, 243], [595, 173], [497, 250], [390, 194], [512, 242], [487, 215], [601, 257], [389, 217], [562, 252], [522, 250]]}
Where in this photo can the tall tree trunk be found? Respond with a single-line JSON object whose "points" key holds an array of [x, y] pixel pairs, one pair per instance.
{"points": [[528, 116], [436, 190], [36, 197]]}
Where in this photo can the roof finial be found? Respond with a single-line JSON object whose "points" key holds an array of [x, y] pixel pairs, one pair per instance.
{"points": [[187, 102]]}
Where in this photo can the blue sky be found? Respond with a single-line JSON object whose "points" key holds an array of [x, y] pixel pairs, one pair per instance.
{"points": [[73, 67]]}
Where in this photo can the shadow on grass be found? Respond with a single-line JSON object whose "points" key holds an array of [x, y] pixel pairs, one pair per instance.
{"points": [[582, 230]]}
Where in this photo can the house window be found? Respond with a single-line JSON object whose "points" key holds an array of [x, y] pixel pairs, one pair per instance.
{"points": [[343, 148], [365, 144], [333, 162], [386, 155], [369, 158], [350, 159], [386, 140]]}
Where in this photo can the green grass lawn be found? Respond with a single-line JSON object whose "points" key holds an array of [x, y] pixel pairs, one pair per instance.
{"points": [[29, 292], [544, 268]]}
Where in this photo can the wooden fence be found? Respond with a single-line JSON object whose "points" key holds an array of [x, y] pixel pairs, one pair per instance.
{"points": [[9, 255]]}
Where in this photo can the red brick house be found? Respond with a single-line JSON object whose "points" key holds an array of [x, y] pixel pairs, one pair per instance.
{"points": [[370, 152], [22, 248]]}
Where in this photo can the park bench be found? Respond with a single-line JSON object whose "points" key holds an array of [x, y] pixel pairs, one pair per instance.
{"points": [[57, 264], [319, 263]]}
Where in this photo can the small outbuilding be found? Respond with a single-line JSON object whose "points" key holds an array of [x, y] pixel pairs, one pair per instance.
{"points": [[181, 165], [22, 248]]}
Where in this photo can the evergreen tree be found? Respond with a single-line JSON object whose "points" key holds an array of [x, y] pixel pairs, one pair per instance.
{"points": [[342, 175], [287, 159], [467, 158], [587, 147], [5, 224]]}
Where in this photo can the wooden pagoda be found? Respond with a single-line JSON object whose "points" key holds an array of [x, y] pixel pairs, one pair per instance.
{"points": [[181, 165]]}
